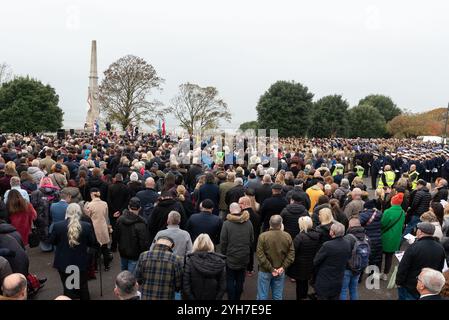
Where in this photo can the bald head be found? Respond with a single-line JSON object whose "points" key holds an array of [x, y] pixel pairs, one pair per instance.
{"points": [[266, 179], [149, 183], [356, 194], [245, 202], [15, 286]]}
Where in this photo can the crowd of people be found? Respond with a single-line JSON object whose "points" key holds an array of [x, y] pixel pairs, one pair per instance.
{"points": [[196, 230]]}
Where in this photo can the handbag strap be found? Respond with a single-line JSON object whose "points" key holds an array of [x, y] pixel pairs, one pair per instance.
{"points": [[394, 223], [371, 219]]}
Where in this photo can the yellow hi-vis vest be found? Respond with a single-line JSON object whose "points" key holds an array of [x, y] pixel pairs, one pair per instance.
{"points": [[413, 176], [338, 170], [359, 170], [389, 177]]}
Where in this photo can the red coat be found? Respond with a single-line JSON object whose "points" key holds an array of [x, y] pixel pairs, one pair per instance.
{"points": [[22, 222]]}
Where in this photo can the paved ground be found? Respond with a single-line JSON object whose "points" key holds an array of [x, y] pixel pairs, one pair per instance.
{"points": [[41, 264]]}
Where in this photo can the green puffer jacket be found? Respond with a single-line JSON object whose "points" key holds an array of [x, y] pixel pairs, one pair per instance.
{"points": [[392, 222]]}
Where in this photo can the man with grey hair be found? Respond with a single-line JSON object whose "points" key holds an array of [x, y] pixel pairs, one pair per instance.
{"points": [[15, 185], [275, 253], [342, 191], [440, 192], [126, 286], [330, 264], [14, 287], [355, 206], [183, 242], [236, 192], [429, 284]]}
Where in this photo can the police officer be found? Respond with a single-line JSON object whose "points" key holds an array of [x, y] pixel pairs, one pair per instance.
{"points": [[387, 177], [359, 170], [413, 176]]}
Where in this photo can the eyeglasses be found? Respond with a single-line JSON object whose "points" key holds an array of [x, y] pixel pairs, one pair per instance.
{"points": [[418, 279]]}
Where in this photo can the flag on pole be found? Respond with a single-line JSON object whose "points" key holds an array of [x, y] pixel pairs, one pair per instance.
{"points": [[163, 128]]}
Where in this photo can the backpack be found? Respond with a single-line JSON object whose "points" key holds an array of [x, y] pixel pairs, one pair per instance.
{"points": [[360, 254], [147, 211], [343, 199]]}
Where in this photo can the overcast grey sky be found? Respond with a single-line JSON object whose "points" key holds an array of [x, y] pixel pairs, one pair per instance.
{"points": [[348, 47]]}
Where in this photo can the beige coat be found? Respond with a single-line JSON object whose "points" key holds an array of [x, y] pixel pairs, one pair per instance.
{"points": [[97, 210]]}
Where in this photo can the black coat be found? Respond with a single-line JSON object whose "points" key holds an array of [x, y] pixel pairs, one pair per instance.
{"points": [[374, 233], [158, 219], [263, 192], [147, 196], [290, 216], [442, 194], [306, 247], [132, 236], [420, 202], [96, 182], [13, 249], [210, 191], [330, 265], [66, 255], [270, 207], [234, 194], [324, 230], [204, 276], [424, 253], [304, 196], [118, 197], [134, 187], [204, 222]]}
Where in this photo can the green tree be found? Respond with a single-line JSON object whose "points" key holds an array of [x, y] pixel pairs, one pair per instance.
{"points": [[27, 105], [249, 125], [286, 106], [330, 117], [365, 121], [124, 92], [384, 104]]}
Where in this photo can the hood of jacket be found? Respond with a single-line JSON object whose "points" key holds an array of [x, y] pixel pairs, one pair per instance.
{"points": [[128, 218], [315, 187], [166, 203], [295, 208], [95, 182], [238, 218], [6, 228], [208, 263], [33, 170]]}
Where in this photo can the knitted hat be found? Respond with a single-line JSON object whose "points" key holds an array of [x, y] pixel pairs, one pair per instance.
{"points": [[397, 199]]}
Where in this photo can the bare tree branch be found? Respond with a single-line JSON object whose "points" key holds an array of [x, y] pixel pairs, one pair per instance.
{"points": [[125, 89], [198, 108]]}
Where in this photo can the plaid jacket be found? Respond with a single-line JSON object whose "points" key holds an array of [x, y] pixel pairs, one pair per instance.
{"points": [[159, 273]]}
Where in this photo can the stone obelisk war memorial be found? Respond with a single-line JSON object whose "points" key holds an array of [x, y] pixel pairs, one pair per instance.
{"points": [[92, 99]]}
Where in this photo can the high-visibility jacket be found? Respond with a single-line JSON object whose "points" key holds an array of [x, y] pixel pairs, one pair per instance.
{"points": [[413, 176], [338, 170], [359, 170], [389, 178]]}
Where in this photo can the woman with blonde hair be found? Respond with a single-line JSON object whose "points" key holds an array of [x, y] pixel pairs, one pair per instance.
{"points": [[72, 237], [184, 199], [10, 171], [326, 220], [205, 271], [307, 243]]}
